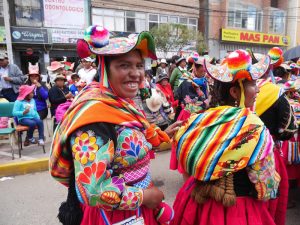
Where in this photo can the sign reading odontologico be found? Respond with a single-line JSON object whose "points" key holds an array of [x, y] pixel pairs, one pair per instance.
{"points": [[64, 13], [254, 37]]}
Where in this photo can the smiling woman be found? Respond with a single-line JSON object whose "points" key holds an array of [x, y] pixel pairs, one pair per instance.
{"points": [[101, 149]]}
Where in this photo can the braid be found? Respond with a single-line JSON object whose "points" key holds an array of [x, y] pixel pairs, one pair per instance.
{"points": [[70, 212], [220, 93]]}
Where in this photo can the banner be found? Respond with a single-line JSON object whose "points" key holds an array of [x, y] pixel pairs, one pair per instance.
{"points": [[64, 13], [29, 35], [254, 37], [69, 36]]}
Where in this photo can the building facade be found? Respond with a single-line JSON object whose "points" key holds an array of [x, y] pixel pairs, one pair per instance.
{"points": [[255, 24], [42, 30]]}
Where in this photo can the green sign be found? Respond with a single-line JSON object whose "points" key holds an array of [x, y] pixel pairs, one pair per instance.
{"points": [[2, 35]]}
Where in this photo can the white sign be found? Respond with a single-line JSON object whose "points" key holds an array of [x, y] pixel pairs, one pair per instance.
{"points": [[64, 13], [69, 36]]}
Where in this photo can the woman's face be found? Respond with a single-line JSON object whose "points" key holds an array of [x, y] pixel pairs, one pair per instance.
{"points": [[34, 77], [164, 82], [182, 63], [86, 64], [60, 83], [200, 71], [250, 91], [126, 73]]}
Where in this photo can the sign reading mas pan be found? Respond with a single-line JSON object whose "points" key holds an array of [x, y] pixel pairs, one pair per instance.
{"points": [[254, 37]]}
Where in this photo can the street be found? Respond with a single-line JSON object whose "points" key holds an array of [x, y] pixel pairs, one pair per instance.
{"points": [[34, 198]]}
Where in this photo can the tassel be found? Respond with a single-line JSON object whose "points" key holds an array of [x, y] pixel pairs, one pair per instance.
{"points": [[201, 192], [229, 198]]}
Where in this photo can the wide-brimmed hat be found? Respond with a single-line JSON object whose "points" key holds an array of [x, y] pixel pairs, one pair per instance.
{"points": [[254, 56], [89, 59], [97, 41], [161, 76], [179, 60], [163, 61], [33, 69], [60, 76], [155, 101], [25, 90], [276, 55], [238, 65], [55, 65]]}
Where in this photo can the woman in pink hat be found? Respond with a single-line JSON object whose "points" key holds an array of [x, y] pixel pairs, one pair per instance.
{"points": [[26, 113]]}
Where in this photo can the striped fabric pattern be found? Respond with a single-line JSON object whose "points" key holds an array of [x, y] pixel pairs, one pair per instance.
{"points": [[221, 141]]}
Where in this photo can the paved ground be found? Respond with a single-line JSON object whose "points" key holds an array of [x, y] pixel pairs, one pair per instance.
{"points": [[34, 199]]}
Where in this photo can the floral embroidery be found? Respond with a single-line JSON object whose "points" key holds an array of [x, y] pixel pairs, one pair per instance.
{"points": [[132, 199], [85, 147], [265, 178]]}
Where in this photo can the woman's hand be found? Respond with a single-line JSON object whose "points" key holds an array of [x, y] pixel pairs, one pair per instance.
{"points": [[69, 95], [170, 130], [152, 197], [36, 83]]}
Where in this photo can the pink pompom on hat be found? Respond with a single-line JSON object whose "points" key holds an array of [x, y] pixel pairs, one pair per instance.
{"points": [[24, 91]]}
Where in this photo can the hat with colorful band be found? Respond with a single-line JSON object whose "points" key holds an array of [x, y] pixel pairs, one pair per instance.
{"points": [[97, 41], [275, 54], [238, 65]]}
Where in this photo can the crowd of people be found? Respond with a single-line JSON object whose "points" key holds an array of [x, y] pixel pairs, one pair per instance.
{"points": [[232, 125]]}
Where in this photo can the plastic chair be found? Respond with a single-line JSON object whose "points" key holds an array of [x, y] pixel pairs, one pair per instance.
{"points": [[6, 109]]}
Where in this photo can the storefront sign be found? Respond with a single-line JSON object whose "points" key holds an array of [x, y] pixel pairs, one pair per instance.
{"points": [[2, 35], [29, 35], [254, 37], [69, 36], [64, 13]]}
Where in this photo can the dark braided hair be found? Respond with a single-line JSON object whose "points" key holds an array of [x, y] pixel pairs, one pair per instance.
{"points": [[69, 212], [220, 93]]}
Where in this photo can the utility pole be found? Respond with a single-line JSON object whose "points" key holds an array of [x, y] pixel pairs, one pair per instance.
{"points": [[7, 31]]}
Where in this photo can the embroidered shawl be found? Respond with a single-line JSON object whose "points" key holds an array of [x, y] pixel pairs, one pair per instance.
{"points": [[95, 104]]}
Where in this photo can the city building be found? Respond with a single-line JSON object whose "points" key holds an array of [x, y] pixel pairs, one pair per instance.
{"points": [[255, 24], [43, 30]]}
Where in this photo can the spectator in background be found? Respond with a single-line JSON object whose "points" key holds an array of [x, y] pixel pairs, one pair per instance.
{"points": [[177, 73], [54, 69], [40, 92], [163, 68], [58, 94], [27, 115], [88, 72], [73, 88], [173, 64], [11, 77], [164, 86], [80, 85]]}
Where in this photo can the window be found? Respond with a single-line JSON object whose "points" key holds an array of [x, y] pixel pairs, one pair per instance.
{"points": [[153, 21], [183, 20], [173, 19], [244, 16], [163, 19], [277, 21], [116, 20], [192, 23], [28, 13]]}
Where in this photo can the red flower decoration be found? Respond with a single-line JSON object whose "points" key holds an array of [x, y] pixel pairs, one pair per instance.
{"points": [[96, 169]]}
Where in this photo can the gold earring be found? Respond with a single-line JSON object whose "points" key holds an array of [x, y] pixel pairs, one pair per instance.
{"points": [[235, 103]]}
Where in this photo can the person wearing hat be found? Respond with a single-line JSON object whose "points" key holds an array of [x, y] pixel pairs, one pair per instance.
{"points": [[58, 94], [26, 112], [274, 109], [163, 68], [282, 72], [162, 83], [102, 129], [88, 72], [11, 78], [226, 150], [73, 88], [177, 73], [41, 91], [55, 68]]}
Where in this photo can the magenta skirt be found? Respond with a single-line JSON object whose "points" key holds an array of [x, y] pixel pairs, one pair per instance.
{"points": [[92, 216], [247, 210]]}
